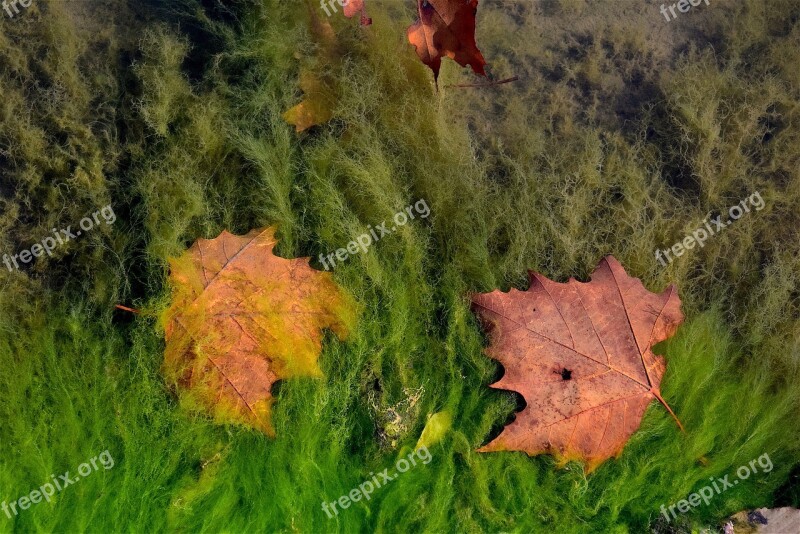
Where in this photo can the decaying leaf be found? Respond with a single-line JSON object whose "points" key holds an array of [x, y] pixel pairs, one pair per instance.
{"points": [[580, 354], [446, 28], [317, 106], [353, 7], [320, 89], [242, 318], [393, 418]]}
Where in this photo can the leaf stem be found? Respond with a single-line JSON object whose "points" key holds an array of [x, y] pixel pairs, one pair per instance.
{"points": [[657, 395]]}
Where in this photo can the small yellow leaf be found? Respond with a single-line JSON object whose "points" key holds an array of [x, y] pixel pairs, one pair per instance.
{"points": [[320, 91], [316, 108], [435, 429]]}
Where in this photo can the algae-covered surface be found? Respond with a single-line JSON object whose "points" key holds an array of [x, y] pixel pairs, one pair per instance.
{"points": [[627, 131]]}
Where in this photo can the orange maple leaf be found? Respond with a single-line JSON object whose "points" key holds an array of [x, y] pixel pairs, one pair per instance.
{"points": [[242, 318], [580, 354], [446, 28]]}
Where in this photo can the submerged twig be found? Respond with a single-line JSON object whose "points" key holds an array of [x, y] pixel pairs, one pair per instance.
{"points": [[490, 84]]}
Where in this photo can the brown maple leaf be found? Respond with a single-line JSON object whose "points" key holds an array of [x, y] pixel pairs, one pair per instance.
{"points": [[446, 28], [580, 354], [242, 318]]}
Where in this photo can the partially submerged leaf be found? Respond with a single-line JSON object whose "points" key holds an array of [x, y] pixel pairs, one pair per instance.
{"points": [[317, 106], [436, 428], [320, 90], [242, 318], [352, 7], [580, 354], [446, 28]]}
